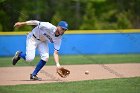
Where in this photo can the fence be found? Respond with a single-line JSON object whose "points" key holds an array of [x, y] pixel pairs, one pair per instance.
{"points": [[80, 42]]}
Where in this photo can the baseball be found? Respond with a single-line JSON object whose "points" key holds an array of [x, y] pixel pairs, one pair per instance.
{"points": [[87, 72]]}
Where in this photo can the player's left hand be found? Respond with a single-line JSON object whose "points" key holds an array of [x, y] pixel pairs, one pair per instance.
{"points": [[19, 24], [63, 72]]}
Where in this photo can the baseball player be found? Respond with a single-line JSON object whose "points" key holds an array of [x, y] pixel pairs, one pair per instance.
{"points": [[39, 37]]}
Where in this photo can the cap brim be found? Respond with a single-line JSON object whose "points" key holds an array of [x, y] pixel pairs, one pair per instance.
{"points": [[64, 28]]}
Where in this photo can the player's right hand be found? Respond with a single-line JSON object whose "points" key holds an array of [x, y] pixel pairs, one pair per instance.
{"points": [[19, 24]]}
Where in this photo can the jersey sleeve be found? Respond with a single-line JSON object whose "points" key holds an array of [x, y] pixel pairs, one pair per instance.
{"points": [[45, 25], [42, 25], [57, 44], [32, 22]]}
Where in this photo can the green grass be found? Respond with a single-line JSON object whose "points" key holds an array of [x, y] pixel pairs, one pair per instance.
{"points": [[78, 59], [126, 85]]}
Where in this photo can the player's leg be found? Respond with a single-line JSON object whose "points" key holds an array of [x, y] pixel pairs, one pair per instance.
{"points": [[16, 58], [31, 45], [44, 53]]}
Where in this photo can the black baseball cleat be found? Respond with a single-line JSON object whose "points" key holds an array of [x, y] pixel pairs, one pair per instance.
{"points": [[16, 58], [34, 77]]}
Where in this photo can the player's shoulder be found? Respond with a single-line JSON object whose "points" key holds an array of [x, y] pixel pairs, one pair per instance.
{"points": [[46, 24]]}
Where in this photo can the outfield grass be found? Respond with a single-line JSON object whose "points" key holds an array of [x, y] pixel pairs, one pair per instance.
{"points": [[79, 59], [127, 85]]}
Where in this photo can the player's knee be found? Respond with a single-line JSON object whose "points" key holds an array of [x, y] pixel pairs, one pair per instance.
{"points": [[45, 58], [29, 59]]}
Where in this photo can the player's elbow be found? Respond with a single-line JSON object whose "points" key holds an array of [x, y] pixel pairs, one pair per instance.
{"points": [[55, 52]]}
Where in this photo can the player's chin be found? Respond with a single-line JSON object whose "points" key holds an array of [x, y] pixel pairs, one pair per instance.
{"points": [[59, 34], [56, 35]]}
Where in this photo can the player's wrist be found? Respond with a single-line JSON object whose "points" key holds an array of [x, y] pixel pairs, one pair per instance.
{"points": [[57, 64]]}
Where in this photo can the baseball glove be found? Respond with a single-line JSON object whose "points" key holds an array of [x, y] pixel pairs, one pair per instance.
{"points": [[63, 72]]}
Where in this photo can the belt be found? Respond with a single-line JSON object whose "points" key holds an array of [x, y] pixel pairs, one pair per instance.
{"points": [[35, 37]]}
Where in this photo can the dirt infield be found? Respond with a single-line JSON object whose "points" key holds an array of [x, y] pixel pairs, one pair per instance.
{"points": [[20, 75]]}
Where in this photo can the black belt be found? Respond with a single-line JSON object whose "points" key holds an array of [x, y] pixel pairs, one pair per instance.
{"points": [[35, 37]]}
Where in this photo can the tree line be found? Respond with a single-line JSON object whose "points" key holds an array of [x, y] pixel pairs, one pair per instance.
{"points": [[80, 14]]}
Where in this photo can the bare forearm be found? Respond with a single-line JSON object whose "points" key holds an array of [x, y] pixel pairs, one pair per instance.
{"points": [[56, 58], [31, 22]]}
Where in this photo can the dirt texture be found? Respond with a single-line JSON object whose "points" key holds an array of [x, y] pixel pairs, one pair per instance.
{"points": [[21, 75]]}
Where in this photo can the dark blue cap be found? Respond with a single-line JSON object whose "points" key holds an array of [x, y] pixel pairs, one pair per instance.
{"points": [[63, 24]]}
